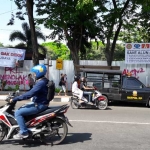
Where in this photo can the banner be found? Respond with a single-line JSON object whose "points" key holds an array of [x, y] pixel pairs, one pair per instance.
{"points": [[137, 53], [9, 57]]}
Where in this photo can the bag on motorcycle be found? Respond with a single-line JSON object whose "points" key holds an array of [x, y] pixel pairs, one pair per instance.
{"points": [[51, 90]]}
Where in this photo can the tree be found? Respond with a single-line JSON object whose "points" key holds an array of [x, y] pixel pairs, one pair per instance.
{"points": [[1, 44], [25, 37], [69, 22], [96, 52], [28, 4], [57, 51]]}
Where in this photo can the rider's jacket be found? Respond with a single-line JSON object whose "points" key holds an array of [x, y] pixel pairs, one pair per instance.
{"points": [[38, 92]]}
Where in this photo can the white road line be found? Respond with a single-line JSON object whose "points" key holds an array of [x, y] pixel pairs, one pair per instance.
{"points": [[114, 122]]}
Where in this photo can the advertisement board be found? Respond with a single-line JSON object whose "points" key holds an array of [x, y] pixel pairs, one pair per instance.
{"points": [[10, 57], [137, 53]]}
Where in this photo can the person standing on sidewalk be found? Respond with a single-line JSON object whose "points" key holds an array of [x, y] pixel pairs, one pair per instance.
{"points": [[62, 83], [30, 81], [66, 84]]}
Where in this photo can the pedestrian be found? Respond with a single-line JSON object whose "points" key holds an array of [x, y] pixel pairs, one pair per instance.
{"points": [[30, 81], [65, 79], [62, 83], [40, 103]]}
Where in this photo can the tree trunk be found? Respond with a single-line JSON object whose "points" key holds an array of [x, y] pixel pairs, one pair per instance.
{"points": [[35, 56], [108, 55], [74, 55]]}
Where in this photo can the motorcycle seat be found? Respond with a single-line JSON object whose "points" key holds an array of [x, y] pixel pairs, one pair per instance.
{"points": [[47, 111], [87, 92]]}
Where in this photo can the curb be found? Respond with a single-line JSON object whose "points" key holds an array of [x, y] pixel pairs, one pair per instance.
{"points": [[56, 98]]}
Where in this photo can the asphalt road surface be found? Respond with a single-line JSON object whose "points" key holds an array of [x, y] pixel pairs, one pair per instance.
{"points": [[120, 127]]}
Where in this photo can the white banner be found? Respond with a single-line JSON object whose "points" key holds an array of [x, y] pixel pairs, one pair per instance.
{"points": [[137, 53], [10, 56]]}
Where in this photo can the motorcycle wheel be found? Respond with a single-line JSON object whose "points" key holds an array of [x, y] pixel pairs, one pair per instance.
{"points": [[102, 105], [58, 133], [2, 131], [73, 104]]}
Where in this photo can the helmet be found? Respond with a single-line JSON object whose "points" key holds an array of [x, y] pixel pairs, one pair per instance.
{"points": [[76, 78], [39, 70]]}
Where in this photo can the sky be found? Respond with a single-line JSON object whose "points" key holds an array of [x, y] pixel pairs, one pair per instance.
{"points": [[6, 8]]}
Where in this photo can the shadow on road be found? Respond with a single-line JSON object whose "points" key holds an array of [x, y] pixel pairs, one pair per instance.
{"points": [[77, 137], [71, 138], [126, 104]]}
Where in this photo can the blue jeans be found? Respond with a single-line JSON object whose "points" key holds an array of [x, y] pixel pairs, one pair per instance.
{"points": [[26, 110]]}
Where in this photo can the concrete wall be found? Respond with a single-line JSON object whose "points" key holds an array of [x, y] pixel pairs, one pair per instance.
{"points": [[19, 75]]}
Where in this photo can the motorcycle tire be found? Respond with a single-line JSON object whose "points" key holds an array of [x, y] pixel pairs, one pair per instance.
{"points": [[55, 137], [74, 104], [102, 105], [2, 131]]}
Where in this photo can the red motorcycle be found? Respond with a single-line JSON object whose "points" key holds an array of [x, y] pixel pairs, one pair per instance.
{"points": [[49, 126], [95, 97]]}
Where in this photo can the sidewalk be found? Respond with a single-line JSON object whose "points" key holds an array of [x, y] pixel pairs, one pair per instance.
{"points": [[57, 98]]}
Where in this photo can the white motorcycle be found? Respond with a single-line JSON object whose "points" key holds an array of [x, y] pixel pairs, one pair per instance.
{"points": [[98, 100], [49, 126]]}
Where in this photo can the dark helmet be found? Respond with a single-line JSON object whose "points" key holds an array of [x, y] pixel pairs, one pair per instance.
{"points": [[76, 78], [39, 70]]}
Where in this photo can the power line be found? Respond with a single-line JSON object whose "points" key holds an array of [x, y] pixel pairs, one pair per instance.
{"points": [[20, 30], [8, 12]]}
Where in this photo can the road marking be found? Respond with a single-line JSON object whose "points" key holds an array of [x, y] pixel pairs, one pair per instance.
{"points": [[115, 122]]}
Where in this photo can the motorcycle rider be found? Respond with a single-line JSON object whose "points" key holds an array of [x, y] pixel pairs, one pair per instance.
{"points": [[84, 87], [76, 91], [39, 102]]}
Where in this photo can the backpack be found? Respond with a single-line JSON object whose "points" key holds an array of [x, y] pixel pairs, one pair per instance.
{"points": [[51, 90], [60, 84]]}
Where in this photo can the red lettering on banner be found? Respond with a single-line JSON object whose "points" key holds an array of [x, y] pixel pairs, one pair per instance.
{"points": [[12, 70], [134, 72], [13, 76], [16, 55], [145, 46], [5, 53]]}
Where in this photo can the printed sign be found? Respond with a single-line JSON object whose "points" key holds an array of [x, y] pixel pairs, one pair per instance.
{"points": [[137, 53], [59, 64], [10, 56]]}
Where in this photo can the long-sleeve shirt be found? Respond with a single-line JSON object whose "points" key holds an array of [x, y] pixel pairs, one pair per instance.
{"points": [[38, 92]]}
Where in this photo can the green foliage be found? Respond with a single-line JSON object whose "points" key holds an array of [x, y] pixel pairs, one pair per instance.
{"points": [[55, 50], [95, 52], [25, 37], [119, 53], [73, 21], [17, 87], [78, 21], [1, 44], [9, 88], [57, 90]]}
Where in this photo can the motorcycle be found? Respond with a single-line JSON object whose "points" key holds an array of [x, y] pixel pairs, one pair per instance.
{"points": [[98, 100], [48, 126]]}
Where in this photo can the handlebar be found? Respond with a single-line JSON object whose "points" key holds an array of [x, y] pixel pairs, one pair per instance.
{"points": [[12, 95]]}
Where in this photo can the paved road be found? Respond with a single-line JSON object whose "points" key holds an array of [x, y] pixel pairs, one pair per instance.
{"points": [[117, 128]]}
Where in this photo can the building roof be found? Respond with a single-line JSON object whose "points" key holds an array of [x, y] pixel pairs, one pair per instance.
{"points": [[100, 71]]}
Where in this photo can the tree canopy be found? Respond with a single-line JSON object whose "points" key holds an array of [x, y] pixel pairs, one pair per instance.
{"points": [[79, 21]]}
